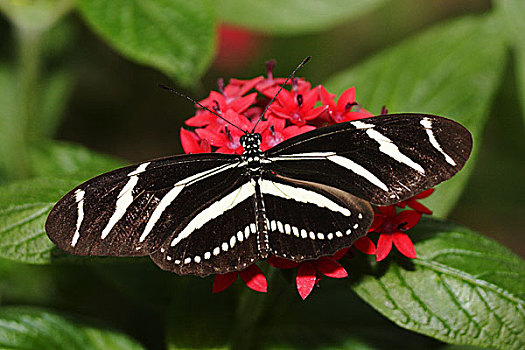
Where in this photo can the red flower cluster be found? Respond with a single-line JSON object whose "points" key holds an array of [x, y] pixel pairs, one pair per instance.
{"points": [[296, 110]]}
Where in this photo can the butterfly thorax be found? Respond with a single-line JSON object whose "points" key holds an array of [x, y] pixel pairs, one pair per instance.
{"points": [[252, 154]]}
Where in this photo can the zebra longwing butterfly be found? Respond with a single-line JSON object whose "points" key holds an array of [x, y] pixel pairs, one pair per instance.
{"points": [[307, 197]]}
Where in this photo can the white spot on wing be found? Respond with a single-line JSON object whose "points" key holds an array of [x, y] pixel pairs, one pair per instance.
{"points": [[427, 124], [79, 197]]}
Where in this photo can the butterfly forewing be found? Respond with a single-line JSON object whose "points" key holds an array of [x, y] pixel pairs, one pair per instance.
{"points": [[382, 159], [133, 210], [308, 220]]}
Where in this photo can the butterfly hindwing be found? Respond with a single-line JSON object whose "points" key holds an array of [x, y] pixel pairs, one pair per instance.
{"points": [[382, 159], [219, 237], [307, 220], [133, 210]]}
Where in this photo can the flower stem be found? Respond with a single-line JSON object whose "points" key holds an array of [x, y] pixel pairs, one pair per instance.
{"points": [[249, 312], [28, 74]]}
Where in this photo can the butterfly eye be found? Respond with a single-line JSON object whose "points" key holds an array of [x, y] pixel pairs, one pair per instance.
{"points": [[243, 140]]}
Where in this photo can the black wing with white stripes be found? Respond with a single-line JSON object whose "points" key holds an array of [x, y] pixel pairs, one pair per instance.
{"points": [[383, 159], [133, 210]]}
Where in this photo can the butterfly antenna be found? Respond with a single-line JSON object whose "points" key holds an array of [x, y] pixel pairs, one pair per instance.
{"points": [[200, 105], [282, 86]]}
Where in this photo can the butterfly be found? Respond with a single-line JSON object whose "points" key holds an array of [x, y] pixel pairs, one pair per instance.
{"points": [[307, 197]]}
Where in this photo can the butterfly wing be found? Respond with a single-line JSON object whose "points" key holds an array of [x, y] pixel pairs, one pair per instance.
{"points": [[383, 159], [219, 237], [133, 210], [308, 220]]}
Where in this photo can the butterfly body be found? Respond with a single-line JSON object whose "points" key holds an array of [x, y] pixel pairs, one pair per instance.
{"points": [[307, 197]]}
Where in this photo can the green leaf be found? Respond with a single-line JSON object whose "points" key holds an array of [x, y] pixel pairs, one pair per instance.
{"points": [[24, 205], [63, 158], [449, 70], [463, 288], [31, 328], [292, 17], [174, 36]]}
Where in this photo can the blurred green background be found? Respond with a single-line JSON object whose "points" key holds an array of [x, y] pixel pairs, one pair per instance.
{"points": [[64, 77]]}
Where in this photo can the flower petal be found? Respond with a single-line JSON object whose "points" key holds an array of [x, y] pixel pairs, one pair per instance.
{"points": [[407, 217], [217, 139], [330, 268], [305, 280], [424, 194], [281, 263], [326, 98], [309, 99], [241, 104], [404, 244], [348, 96], [294, 130], [365, 245], [254, 278], [221, 282], [412, 203], [384, 246]]}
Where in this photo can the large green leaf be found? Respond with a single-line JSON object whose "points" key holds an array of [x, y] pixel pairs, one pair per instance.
{"points": [[450, 70], [292, 17], [463, 288], [25, 328], [174, 36], [24, 205]]}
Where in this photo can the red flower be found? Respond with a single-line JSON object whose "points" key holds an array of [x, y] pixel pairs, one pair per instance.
{"points": [[414, 204], [298, 108], [236, 46], [392, 227], [307, 273], [251, 276], [342, 111]]}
